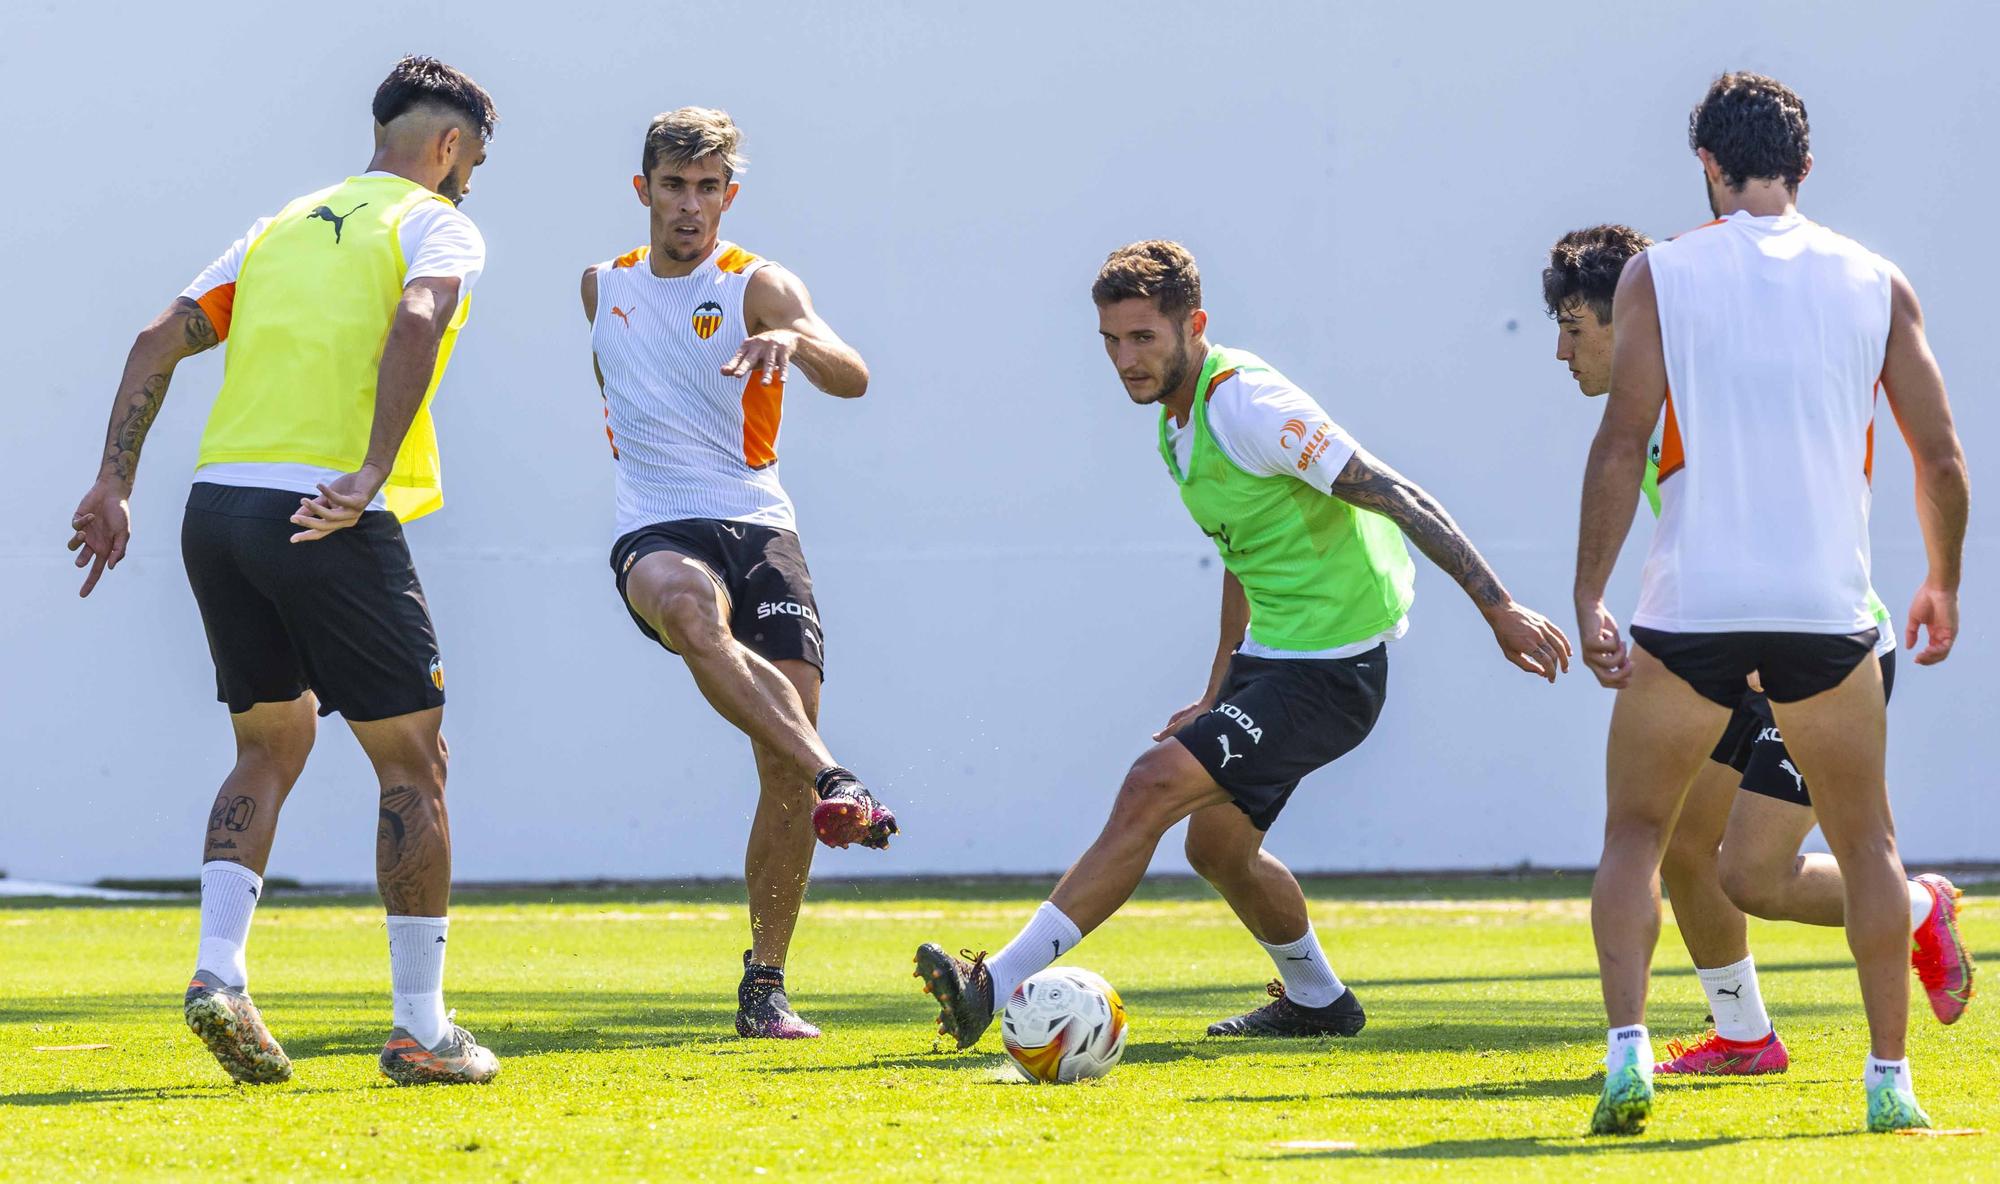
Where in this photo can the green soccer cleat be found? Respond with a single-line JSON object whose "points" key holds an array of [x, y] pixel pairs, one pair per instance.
{"points": [[1626, 1104], [1891, 1109], [229, 1025]]}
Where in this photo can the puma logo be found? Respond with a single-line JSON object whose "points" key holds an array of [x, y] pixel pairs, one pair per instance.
{"points": [[1733, 992], [1056, 952], [1227, 755], [1797, 776], [620, 313], [326, 214]]}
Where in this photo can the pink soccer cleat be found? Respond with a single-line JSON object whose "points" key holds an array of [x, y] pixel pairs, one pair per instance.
{"points": [[1716, 1056], [1943, 964]]}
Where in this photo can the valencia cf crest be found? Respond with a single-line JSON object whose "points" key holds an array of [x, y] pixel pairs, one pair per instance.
{"points": [[437, 671], [707, 319]]}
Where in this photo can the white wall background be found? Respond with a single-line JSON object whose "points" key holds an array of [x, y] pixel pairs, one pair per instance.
{"points": [[1014, 596]]}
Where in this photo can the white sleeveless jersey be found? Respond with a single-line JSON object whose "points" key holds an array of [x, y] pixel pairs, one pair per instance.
{"points": [[1774, 330], [688, 441]]}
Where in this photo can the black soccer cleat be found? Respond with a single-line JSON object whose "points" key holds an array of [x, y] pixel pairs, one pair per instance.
{"points": [[762, 1010], [847, 813], [1282, 1017], [963, 990]]}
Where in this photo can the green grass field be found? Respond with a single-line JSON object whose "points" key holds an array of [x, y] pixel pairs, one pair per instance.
{"points": [[611, 1012]]}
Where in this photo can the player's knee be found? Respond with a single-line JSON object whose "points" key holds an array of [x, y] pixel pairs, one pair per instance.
{"points": [[1150, 795], [1212, 859], [1687, 859], [282, 751], [1754, 888], [685, 611]]}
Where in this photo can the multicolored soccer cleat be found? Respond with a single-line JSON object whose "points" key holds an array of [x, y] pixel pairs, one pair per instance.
{"points": [[457, 1059], [848, 813], [1894, 1109], [1282, 1017], [963, 990], [1626, 1104], [762, 1010], [1943, 964], [1715, 1055], [229, 1025]]}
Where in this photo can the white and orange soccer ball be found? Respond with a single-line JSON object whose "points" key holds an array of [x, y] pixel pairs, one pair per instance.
{"points": [[1064, 1025]]}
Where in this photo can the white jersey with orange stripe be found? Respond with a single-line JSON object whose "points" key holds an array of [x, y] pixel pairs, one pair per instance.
{"points": [[1774, 331], [688, 441]]}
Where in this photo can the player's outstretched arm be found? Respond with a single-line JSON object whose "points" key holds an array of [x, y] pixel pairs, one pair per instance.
{"points": [[102, 525], [1915, 387], [1527, 638], [786, 329], [409, 361], [1617, 466], [1235, 619]]}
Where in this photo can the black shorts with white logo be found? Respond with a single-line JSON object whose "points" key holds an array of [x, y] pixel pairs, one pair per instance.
{"points": [[762, 574], [1278, 719], [1753, 746], [343, 616], [1792, 666]]}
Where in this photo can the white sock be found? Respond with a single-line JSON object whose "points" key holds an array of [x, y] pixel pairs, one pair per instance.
{"points": [[1633, 1044], [1047, 936], [1879, 1070], [229, 893], [1309, 978], [1735, 1001], [416, 975], [1921, 902]]}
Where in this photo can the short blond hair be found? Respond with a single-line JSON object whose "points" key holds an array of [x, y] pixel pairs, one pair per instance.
{"points": [[687, 135]]}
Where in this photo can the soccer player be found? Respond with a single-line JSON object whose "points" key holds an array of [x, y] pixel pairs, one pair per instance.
{"points": [[692, 355], [1317, 582], [1732, 853], [340, 312], [1762, 337]]}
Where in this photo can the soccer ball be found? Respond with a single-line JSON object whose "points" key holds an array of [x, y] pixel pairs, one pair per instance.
{"points": [[1064, 1025]]}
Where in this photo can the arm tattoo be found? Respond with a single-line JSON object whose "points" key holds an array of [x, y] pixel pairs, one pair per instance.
{"points": [[196, 329], [1371, 485], [137, 410], [413, 852]]}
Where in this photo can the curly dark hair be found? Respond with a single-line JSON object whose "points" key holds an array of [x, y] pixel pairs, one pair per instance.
{"points": [[1756, 129], [1158, 270], [425, 81], [1585, 265]]}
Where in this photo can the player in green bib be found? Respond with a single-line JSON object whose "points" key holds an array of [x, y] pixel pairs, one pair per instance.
{"points": [[1735, 847], [1317, 582]]}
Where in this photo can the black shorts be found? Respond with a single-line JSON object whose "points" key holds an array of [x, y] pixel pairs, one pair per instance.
{"points": [[762, 574], [343, 616], [1792, 666], [1278, 719], [1753, 746]]}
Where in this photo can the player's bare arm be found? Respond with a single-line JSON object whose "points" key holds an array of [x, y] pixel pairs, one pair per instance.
{"points": [[1528, 639], [1617, 466], [1916, 393], [102, 525], [789, 330], [409, 359], [1235, 619]]}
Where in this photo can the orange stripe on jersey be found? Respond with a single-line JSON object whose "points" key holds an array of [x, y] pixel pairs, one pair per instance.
{"points": [[763, 407], [1217, 381], [1868, 462], [633, 257], [1703, 226], [1673, 457], [734, 260], [216, 304]]}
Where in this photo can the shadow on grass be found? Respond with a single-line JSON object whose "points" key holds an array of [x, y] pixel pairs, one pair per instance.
{"points": [[1524, 1147], [164, 1093]]}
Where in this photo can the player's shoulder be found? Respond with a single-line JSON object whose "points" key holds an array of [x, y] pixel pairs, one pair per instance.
{"points": [[1240, 374]]}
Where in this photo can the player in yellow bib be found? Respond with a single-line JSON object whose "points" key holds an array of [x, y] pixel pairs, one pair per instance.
{"points": [[340, 313], [1735, 846]]}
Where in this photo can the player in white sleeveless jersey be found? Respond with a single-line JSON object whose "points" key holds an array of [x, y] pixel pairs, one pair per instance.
{"points": [[1763, 339], [1735, 847], [693, 339]]}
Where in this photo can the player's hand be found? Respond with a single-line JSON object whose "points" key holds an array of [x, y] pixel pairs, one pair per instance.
{"points": [[1529, 639], [1186, 716], [1934, 610], [770, 351], [1604, 649], [101, 529], [339, 504]]}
